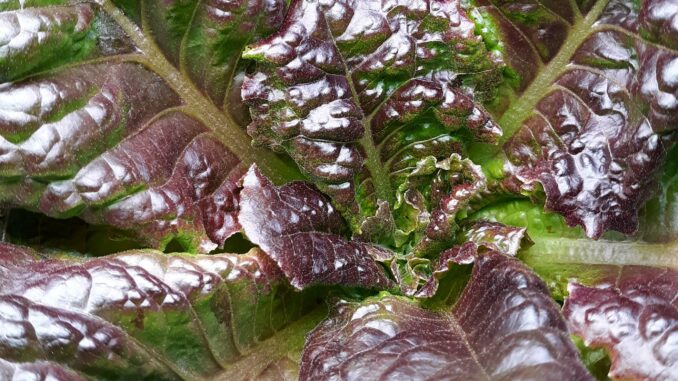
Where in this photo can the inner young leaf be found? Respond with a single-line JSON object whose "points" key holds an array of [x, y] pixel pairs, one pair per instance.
{"points": [[366, 96]]}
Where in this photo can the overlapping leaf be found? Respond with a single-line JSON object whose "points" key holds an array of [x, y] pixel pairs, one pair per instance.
{"points": [[504, 327], [96, 122], [146, 315], [367, 96], [205, 39], [596, 104], [618, 293], [477, 238], [419, 277], [561, 254], [129, 114], [298, 227]]}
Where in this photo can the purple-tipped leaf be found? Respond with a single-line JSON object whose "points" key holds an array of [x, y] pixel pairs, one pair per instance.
{"points": [[344, 87], [145, 314], [138, 127], [478, 236]]}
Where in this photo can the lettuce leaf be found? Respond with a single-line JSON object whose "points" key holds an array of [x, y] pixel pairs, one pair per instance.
{"points": [[345, 87], [595, 111], [148, 315], [504, 327], [633, 313], [128, 127], [444, 168]]}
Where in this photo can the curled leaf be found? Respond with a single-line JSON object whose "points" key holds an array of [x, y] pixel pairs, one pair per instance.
{"points": [[466, 183], [598, 120], [479, 236], [126, 125], [344, 88]]}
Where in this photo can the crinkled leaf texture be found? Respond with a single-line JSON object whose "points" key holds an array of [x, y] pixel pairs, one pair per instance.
{"points": [[419, 277], [298, 227], [633, 314], [619, 295], [595, 110], [132, 115], [147, 315], [370, 98], [504, 327], [96, 121]]}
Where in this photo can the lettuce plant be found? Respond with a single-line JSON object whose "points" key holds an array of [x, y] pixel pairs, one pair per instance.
{"points": [[339, 189]]}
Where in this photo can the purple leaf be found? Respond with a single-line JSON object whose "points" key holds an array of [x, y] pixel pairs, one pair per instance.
{"points": [[479, 236], [504, 327], [466, 183], [496, 236], [343, 87], [130, 126], [595, 132], [633, 314], [298, 227], [206, 39], [408, 117]]}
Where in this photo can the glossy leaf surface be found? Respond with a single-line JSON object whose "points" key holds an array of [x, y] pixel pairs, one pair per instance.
{"points": [[479, 237], [146, 315], [504, 327], [434, 135], [633, 314], [298, 227], [96, 121], [595, 108], [345, 88]]}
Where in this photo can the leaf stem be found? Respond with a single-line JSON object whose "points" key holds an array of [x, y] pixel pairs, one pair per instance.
{"points": [[382, 184], [232, 135], [589, 252], [523, 107]]}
